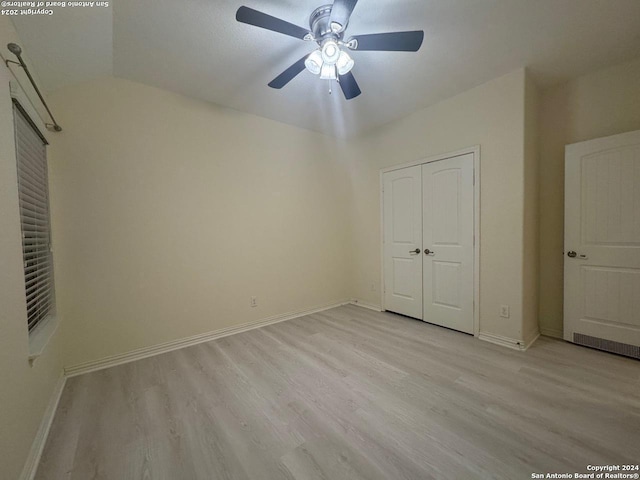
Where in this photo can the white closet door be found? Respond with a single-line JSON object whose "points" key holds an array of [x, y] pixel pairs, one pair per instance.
{"points": [[402, 214], [448, 206], [602, 243]]}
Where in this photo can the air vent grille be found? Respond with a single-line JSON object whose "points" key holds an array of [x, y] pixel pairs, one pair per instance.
{"points": [[632, 351]]}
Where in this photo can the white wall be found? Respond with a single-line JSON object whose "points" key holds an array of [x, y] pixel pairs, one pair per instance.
{"points": [[492, 116], [25, 390], [600, 104], [170, 213]]}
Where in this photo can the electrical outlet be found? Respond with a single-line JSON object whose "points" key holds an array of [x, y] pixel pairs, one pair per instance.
{"points": [[254, 302], [504, 311]]}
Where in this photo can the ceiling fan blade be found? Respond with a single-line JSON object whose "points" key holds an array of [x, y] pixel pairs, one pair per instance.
{"points": [[349, 86], [341, 12], [390, 42], [289, 74], [262, 20]]}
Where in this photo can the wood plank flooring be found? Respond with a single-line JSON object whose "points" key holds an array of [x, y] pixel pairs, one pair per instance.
{"points": [[348, 394]]}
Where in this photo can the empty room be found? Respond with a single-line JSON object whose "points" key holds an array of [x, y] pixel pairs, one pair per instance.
{"points": [[288, 239]]}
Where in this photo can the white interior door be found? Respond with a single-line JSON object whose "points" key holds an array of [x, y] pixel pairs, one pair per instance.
{"points": [[448, 228], [602, 241], [402, 237]]}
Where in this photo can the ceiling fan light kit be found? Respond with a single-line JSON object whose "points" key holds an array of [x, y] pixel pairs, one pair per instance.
{"points": [[327, 27], [329, 61]]}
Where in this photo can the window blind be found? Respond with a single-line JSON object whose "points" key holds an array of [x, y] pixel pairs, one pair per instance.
{"points": [[33, 192]]}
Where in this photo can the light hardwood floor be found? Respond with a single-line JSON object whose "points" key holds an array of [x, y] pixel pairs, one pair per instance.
{"points": [[348, 393]]}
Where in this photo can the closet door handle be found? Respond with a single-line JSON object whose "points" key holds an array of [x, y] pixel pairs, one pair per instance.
{"points": [[429, 252], [415, 252]]}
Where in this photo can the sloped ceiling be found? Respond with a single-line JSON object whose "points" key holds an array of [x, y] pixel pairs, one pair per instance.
{"points": [[196, 48]]}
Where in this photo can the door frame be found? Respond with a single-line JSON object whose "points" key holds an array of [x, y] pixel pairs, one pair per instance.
{"points": [[475, 150]]}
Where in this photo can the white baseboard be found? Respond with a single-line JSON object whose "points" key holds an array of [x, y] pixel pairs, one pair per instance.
{"points": [[507, 341], [362, 304], [146, 352], [551, 332], [31, 465], [532, 341]]}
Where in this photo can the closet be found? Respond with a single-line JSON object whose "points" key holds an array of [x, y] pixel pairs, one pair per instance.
{"points": [[428, 218]]}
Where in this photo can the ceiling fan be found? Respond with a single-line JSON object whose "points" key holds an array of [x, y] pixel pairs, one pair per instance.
{"points": [[327, 28]]}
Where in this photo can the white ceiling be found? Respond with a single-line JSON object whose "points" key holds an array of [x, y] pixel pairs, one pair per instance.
{"points": [[196, 48]]}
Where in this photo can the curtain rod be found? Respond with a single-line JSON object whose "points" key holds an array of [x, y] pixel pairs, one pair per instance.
{"points": [[17, 51]]}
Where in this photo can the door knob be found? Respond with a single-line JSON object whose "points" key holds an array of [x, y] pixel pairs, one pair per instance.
{"points": [[428, 252], [572, 254], [415, 252]]}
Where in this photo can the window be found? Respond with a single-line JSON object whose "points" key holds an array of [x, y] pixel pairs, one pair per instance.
{"points": [[33, 191]]}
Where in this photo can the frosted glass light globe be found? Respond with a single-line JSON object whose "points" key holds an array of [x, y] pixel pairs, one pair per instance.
{"points": [[330, 52]]}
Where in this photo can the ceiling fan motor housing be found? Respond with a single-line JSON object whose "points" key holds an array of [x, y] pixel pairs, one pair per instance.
{"points": [[320, 23]]}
